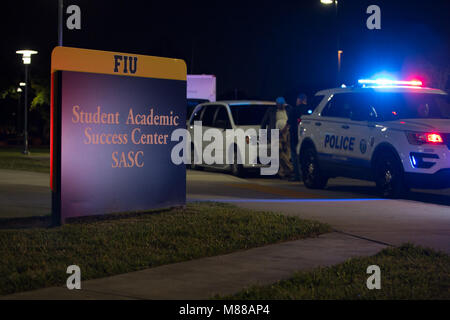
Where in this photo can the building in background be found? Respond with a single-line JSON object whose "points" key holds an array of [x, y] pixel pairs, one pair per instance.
{"points": [[201, 87]]}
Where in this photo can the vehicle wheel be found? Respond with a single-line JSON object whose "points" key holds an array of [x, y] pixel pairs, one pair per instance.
{"points": [[236, 169], [389, 176], [312, 176], [193, 166]]}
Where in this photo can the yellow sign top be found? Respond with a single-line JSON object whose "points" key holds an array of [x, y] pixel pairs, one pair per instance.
{"points": [[117, 63]]}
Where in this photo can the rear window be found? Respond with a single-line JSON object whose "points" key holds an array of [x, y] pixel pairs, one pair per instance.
{"points": [[249, 115], [396, 106], [388, 106]]}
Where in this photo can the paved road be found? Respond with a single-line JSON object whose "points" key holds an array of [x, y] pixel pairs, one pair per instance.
{"points": [[24, 194], [350, 206]]}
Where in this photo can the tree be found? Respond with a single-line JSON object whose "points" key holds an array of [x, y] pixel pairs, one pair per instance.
{"points": [[39, 120]]}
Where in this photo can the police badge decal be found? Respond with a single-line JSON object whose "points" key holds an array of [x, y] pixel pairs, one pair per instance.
{"points": [[363, 146]]}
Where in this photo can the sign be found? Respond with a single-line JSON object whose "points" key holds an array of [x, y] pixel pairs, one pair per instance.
{"points": [[201, 87], [112, 119]]}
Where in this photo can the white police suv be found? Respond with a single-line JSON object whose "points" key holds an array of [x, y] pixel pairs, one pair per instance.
{"points": [[396, 133]]}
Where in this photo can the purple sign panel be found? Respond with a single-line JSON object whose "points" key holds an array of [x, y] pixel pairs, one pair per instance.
{"points": [[116, 143]]}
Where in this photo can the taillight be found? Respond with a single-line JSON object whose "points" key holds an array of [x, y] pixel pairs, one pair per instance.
{"points": [[418, 138], [434, 138]]}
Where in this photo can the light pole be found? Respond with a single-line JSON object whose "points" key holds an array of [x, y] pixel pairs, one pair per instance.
{"points": [[26, 58], [339, 51], [60, 22], [19, 92]]}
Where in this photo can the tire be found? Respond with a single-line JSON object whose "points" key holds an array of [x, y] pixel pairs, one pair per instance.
{"points": [[389, 176], [236, 169], [313, 177]]}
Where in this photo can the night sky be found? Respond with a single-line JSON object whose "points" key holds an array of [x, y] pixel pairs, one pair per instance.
{"points": [[261, 48]]}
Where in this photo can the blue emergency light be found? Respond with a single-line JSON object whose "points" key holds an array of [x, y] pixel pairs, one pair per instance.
{"points": [[389, 82]]}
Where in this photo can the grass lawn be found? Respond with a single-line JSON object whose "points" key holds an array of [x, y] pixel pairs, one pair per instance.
{"points": [[407, 272], [12, 158], [114, 244]]}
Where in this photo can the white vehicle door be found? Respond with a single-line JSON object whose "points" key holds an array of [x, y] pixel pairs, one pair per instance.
{"points": [[309, 126], [363, 127], [197, 116], [336, 141], [208, 117], [222, 122]]}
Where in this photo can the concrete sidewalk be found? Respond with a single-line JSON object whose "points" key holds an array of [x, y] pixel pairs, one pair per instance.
{"points": [[226, 274]]}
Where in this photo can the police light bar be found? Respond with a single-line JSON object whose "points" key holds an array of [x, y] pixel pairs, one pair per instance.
{"points": [[388, 82]]}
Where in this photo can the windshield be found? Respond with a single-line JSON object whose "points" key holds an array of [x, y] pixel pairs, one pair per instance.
{"points": [[395, 106], [249, 115], [191, 104]]}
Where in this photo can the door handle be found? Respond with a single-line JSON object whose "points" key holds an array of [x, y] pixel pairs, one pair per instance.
{"points": [[318, 124], [345, 126]]}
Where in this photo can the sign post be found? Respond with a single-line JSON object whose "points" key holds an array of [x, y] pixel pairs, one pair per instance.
{"points": [[112, 118]]}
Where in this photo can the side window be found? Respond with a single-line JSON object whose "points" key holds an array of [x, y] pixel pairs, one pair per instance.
{"points": [[338, 107], [363, 107], [222, 119], [328, 109], [208, 115], [443, 105]]}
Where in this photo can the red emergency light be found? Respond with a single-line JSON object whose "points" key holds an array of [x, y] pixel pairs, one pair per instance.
{"points": [[389, 82]]}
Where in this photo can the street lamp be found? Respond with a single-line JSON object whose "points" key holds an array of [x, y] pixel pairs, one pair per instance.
{"points": [[339, 51], [26, 58], [19, 93]]}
